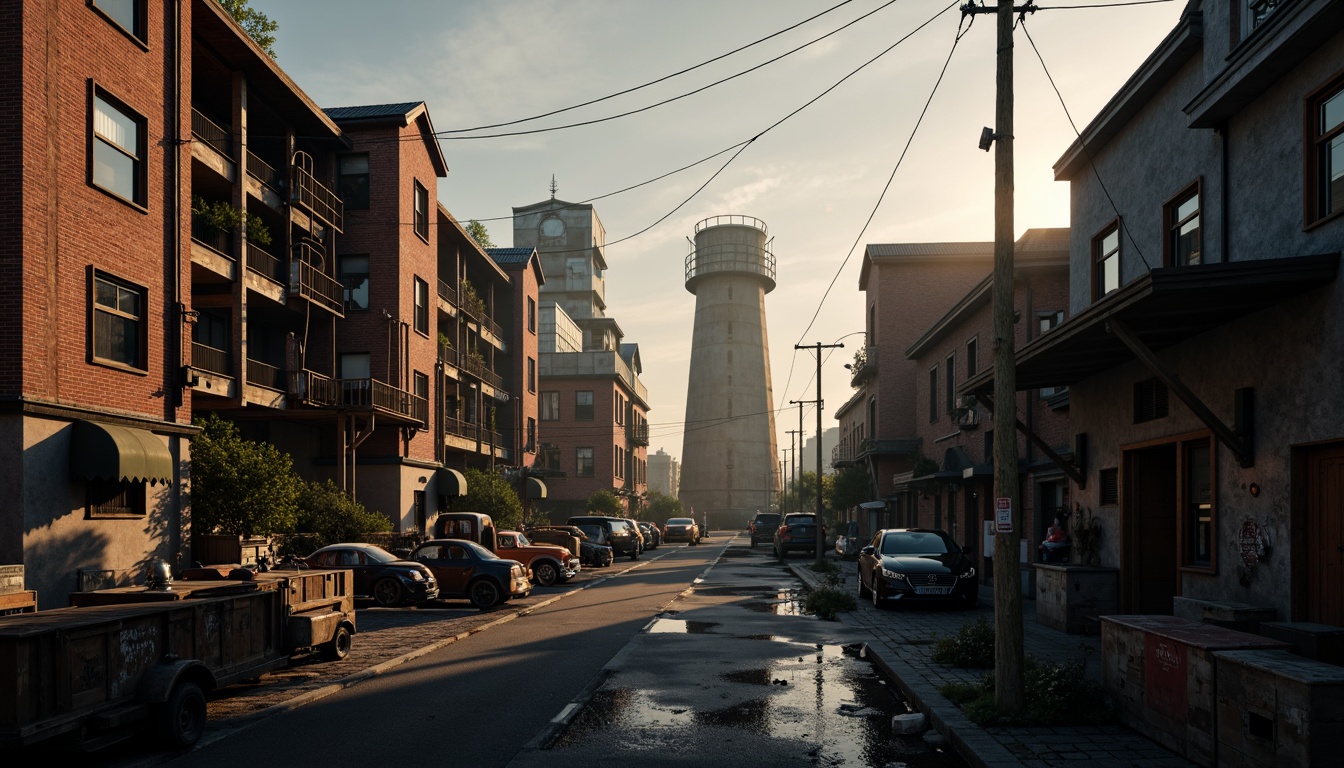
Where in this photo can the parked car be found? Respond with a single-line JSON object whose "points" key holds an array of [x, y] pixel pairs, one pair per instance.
{"points": [[468, 570], [681, 529], [916, 565], [639, 532], [797, 532], [762, 527], [618, 533], [569, 537], [652, 535], [379, 574], [550, 563], [596, 549]]}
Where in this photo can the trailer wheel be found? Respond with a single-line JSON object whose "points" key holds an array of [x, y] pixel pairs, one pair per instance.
{"points": [[181, 719], [338, 647]]}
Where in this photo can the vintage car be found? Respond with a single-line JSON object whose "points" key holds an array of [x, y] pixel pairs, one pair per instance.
{"points": [[378, 574], [468, 570], [550, 563], [916, 565]]}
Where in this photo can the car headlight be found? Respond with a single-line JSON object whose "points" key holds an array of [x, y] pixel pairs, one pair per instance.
{"points": [[969, 574], [890, 574], [417, 576]]}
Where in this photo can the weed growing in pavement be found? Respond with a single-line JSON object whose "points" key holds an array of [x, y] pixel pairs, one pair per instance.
{"points": [[825, 567], [971, 648], [828, 602], [1057, 694]]}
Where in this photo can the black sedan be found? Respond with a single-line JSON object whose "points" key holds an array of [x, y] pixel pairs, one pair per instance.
{"points": [[916, 565], [378, 573], [653, 536]]}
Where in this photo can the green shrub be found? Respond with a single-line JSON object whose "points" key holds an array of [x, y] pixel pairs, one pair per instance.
{"points": [[828, 602], [1057, 694], [825, 566], [332, 517], [971, 648]]}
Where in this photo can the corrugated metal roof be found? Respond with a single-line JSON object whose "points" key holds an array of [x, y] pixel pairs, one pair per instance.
{"points": [[372, 111], [930, 249], [510, 255]]}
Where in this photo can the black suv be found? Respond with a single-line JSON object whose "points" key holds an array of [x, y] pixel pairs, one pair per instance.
{"points": [[621, 535], [797, 533], [763, 527]]}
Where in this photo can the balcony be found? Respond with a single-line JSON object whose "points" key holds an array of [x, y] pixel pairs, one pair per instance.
{"points": [[476, 366], [637, 434], [263, 172], [265, 375], [211, 359], [864, 366], [311, 283], [218, 240], [371, 394], [310, 194], [265, 263], [208, 132]]}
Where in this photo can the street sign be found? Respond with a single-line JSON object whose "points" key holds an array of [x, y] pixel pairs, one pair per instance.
{"points": [[1004, 508]]}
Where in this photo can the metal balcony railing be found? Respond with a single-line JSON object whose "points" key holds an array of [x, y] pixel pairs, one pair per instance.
{"points": [[263, 172], [311, 283], [307, 192], [264, 375], [378, 396], [448, 293], [264, 263], [448, 355], [312, 387], [209, 132], [210, 359], [220, 240], [638, 433], [476, 367], [864, 366]]}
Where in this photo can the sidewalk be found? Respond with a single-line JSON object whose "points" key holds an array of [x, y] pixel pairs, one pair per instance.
{"points": [[904, 649]]}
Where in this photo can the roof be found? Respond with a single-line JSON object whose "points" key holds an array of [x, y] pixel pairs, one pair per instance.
{"points": [[630, 354], [946, 253], [1164, 307], [374, 111], [399, 115], [511, 255]]}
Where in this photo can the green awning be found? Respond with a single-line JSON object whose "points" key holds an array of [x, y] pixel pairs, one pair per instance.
{"points": [[109, 452], [451, 482], [535, 488]]}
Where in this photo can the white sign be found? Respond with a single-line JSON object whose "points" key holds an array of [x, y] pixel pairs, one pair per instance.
{"points": [[1004, 508]]}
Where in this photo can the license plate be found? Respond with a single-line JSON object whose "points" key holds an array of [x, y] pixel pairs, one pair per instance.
{"points": [[933, 590]]}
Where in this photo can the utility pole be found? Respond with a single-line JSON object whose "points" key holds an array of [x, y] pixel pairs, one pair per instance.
{"points": [[792, 469], [821, 538], [799, 455], [1009, 661]]}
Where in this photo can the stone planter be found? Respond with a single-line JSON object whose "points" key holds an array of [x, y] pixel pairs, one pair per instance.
{"points": [[1069, 598]]}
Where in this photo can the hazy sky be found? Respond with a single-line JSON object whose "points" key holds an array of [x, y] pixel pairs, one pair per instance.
{"points": [[814, 179]]}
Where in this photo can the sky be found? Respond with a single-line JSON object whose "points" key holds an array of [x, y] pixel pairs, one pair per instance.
{"points": [[864, 163]]}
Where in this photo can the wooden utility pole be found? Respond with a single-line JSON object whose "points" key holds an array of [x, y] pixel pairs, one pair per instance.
{"points": [[1009, 656], [821, 537]]}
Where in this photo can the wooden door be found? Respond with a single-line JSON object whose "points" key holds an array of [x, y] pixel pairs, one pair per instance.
{"points": [[1150, 514], [1325, 535]]}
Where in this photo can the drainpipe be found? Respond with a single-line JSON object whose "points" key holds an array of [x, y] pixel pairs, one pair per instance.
{"points": [[175, 215], [1227, 197]]}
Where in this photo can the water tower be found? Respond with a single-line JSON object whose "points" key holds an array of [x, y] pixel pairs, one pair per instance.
{"points": [[728, 456]]}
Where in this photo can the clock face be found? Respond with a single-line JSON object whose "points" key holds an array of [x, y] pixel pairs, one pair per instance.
{"points": [[553, 228]]}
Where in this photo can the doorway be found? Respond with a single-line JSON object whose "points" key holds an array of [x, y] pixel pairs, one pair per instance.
{"points": [[1148, 519], [1323, 542]]}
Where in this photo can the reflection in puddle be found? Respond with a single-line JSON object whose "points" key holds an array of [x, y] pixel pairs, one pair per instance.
{"points": [[826, 696], [681, 627]]}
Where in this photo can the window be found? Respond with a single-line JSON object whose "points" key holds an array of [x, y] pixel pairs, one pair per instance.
{"points": [[1325, 161], [1106, 261], [950, 383], [531, 374], [1197, 503], [421, 211], [583, 405], [531, 314], [421, 306], [1109, 491], [355, 278], [116, 498], [421, 384], [1150, 401], [531, 435], [1180, 222], [549, 457], [616, 461], [353, 184], [972, 364], [583, 459], [1254, 13], [118, 149], [550, 406], [1046, 322], [933, 393], [355, 365], [118, 322], [127, 14]]}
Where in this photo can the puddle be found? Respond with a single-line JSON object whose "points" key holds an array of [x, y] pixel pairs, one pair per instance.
{"points": [[786, 602], [681, 627], [826, 696]]}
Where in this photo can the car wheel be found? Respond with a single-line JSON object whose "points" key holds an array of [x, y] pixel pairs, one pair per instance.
{"points": [[338, 647], [181, 719], [387, 592], [546, 573], [878, 603], [634, 553], [485, 593], [863, 589]]}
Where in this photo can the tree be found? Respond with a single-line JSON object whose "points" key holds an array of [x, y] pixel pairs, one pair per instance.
{"points": [[849, 488], [661, 507], [256, 24], [605, 503], [331, 516], [490, 493], [477, 231], [240, 487]]}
